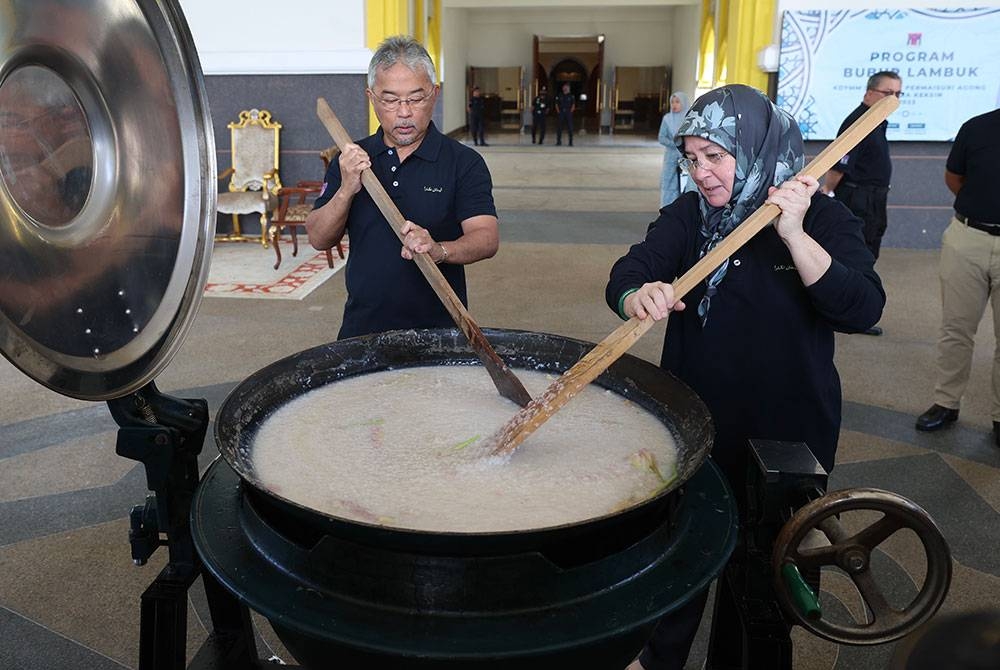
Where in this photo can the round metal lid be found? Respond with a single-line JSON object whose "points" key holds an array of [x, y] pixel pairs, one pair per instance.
{"points": [[107, 193]]}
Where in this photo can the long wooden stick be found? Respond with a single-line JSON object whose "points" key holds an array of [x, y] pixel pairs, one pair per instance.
{"points": [[506, 382], [598, 359]]}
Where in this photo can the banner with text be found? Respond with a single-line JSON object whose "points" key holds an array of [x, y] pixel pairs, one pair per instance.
{"points": [[949, 60]]}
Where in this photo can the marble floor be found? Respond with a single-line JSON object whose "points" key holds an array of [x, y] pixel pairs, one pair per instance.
{"points": [[69, 593]]}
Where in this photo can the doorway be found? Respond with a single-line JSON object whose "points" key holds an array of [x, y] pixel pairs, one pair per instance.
{"points": [[640, 96], [577, 61], [572, 72], [502, 93]]}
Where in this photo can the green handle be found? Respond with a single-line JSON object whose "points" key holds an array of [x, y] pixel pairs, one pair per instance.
{"points": [[805, 601]]}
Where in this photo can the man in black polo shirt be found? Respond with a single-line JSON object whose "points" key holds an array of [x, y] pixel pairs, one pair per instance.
{"points": [[970, 269], [861, 179], [442, 187]]}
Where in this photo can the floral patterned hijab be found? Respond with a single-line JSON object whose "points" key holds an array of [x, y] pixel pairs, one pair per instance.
{"points": [[767, 146]]}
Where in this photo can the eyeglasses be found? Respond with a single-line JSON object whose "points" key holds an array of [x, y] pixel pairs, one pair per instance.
{"points": [[711, 160], [392, 103], [898, 94]]}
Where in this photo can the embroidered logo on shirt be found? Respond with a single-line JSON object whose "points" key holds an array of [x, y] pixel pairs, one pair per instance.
{"points": [[779, 268], [433, 189]]}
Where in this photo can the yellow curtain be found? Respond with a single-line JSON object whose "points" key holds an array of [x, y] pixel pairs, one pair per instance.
{"points": [[751, 28], [706, 53], [384, 18], [721, 42], [732, 33], [432, 35], [419, 24]]}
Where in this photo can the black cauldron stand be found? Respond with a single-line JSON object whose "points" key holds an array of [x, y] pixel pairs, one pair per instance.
{"points": [[585, 595], [166, 435], [772, 580]]}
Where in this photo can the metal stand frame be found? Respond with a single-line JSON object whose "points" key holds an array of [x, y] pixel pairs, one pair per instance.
{"points": [[749, 629], [166, 435]]}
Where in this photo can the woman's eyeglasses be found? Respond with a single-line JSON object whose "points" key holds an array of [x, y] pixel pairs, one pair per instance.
{"points": [[392, 103], [710, 161], [898, 94]]}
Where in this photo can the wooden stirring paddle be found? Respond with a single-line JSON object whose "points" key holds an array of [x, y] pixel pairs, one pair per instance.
{"points": [[507, 383], [598, 359]]}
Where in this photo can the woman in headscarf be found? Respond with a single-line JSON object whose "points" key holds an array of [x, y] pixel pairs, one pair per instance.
{"points": [[670, 183], [756, 339]]}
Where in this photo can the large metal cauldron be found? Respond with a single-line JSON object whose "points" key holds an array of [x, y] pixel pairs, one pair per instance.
{"points": [[584, 595]]}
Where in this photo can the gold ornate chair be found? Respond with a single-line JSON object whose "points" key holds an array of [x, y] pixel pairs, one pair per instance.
{"points": [[253, 175]]}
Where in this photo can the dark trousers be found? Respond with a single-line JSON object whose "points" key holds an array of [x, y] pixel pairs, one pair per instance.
{"points": [[477, 128], [538, 126], [869, 204], [565, 120]]}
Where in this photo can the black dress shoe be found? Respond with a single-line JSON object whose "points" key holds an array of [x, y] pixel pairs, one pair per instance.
{"points": [[936, 418], [996, 433], [874, 330]]}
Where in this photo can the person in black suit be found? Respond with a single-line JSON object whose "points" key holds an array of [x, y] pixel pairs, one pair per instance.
{"points": [[565, 105], [477, 124]]}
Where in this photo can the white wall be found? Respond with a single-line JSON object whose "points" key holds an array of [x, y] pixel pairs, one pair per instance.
{"points": [[259, 40], [289, 37], [635, 35], [647, 35], [684, 52], [455, 59]]}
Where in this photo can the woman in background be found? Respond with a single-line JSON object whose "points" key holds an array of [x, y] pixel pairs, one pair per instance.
{"points": [[670, 183]]}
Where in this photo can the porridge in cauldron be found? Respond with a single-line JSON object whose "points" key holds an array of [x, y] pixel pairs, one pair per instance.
{"points": [[408, 448]]}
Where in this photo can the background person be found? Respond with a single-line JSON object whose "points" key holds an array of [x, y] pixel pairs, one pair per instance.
{"points": [[437, 182], [477, 123], [780, 297], [539, 110], [670, 179], [565, 106], [861, 179], [969, 269]]}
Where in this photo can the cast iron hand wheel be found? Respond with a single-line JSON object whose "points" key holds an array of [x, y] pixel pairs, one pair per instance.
{"points": [[852, 554]]}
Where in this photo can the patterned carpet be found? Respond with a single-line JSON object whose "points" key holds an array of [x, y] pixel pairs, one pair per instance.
{"points": [[244, 270]]}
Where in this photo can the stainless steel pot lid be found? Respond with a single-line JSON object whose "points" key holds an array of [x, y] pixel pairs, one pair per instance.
{"points": [[107, 190]]}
